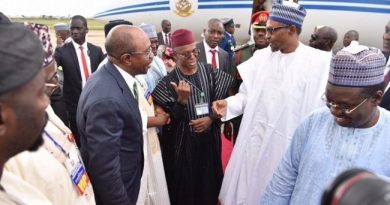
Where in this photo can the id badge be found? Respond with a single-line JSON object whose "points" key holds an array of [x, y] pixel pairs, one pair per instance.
{"points": [[80, 178], [202, 109], [77, 171]]}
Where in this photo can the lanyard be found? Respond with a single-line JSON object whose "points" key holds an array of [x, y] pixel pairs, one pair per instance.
{"points": [[196, 87], [56, 143]]}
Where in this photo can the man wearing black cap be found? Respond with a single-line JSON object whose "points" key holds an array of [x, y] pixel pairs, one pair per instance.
{"points": [[22, 98], [281, 85], [111, 24], [352, 131], [78, 59], [323, 38], [228, 43]]}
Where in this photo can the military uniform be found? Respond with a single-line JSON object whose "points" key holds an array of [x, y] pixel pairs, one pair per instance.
{"points": [[241, 55], [228, 43]]}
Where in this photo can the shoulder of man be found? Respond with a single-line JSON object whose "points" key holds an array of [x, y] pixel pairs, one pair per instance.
{"points": [[91, 45], [244, 46]]}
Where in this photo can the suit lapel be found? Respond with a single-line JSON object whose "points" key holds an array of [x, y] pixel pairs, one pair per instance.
{"points": [[91, 55], [202, 55], [133, 104], [72, 51], [221, 59]]}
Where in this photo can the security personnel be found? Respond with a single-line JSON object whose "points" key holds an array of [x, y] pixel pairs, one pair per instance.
{"points": [[228, 43]]}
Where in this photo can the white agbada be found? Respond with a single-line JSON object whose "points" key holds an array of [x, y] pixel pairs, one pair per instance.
{"points": [[153, 188], [277, 92]]}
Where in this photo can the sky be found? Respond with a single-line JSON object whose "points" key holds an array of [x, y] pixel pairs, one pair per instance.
{"points": [[86, 8]]}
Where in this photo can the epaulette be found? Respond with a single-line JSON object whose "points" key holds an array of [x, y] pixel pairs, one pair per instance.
{"points": [[245, 45]]}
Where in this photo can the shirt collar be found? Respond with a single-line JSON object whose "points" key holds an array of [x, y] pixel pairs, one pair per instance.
{"points": [[207, 47], [76, 45], [129, 79]]}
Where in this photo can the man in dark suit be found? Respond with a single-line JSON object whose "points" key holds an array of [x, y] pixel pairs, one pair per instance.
{"points": [[210, 52], [164, 37], [109, 119], [78, 59]]}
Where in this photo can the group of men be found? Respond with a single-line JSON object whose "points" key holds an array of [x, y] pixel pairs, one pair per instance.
{"points": [[283, 145]]}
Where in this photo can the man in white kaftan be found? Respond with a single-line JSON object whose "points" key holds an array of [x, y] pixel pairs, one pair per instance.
{"points": [[281, 85]]}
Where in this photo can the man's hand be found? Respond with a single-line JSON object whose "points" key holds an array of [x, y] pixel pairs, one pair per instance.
{"points": [[160, 111], [201, 124], [162, 118], [183, 91], [219, 108]]}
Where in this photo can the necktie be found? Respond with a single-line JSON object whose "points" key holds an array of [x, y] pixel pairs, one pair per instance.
{"points": [[213, 58], [167, 40], [84, 62], [135, 91]]}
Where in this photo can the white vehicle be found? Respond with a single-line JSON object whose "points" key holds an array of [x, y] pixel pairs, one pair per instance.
{"points": [[368, 17]]}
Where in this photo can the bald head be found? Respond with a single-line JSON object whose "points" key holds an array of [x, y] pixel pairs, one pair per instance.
{"points": [[121, 39], [129, 48], [351, 35]]}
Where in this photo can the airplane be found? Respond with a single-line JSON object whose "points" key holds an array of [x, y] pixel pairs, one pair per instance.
{"points": [[368, 17]]}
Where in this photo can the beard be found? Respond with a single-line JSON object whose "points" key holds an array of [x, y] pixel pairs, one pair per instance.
{"points": [[39, 142]]}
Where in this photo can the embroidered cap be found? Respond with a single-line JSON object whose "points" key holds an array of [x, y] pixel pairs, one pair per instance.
{"points": [[42, 31], [357, 66], [150, 30], [182, 37], [288, 12], [259, 19]]}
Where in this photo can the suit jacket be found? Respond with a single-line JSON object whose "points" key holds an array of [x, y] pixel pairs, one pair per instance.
{"points": [[386, 100], [110, 127], [161, 38], [223, 57], [66, 57]]}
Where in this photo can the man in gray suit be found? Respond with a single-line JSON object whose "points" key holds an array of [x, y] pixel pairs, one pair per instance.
{"points": [[109, 119], [210, 52]]}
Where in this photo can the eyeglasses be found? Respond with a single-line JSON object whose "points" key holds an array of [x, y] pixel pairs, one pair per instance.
{"points": [[188, 53], [271, 30], [51, 87], [343, 108]]}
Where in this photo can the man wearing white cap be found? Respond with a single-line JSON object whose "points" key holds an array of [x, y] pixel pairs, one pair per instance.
{"points": [[157, 68], [281, 85], [353, 132], [62, 34]]}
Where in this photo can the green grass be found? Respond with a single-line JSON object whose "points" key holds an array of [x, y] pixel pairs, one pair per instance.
{"points": [[92, 23]]}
